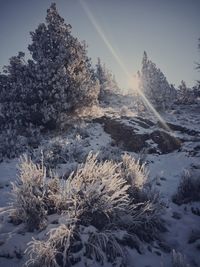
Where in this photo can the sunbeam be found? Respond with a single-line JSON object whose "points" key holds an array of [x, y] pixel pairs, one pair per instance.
{"points": [[119, 60]]}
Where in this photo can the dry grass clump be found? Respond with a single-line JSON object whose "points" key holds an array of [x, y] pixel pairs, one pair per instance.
{"points": [[188, 189], [33, 195], [101, 216]]}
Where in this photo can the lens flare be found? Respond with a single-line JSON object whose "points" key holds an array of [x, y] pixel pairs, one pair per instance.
{"points": [[133, 83], [120, 62]]}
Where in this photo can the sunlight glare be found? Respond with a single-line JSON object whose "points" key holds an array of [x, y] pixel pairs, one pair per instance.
{"points": [[134, 83], [120, 62]]}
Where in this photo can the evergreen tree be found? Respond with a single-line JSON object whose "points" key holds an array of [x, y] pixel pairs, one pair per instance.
{"points": [[198, 65], [16, 85], [106, 79], [58, 78], [185, 95], [154, 85], [196, 90], [197, 86]]}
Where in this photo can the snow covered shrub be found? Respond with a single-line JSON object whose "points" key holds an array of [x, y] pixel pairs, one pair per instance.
{"points": [[57, 250], [32, 195], [110, 152], [62, 149], [188, 189], [124, 111], [28, 193], [96, 189], [105, 242], [178, 260], [41, 253], [185, 95], [11, 144], [58, 79], [146, 200], [69, 244], [77, 149], [53, 152], [15, 142], [133, 172], [100, 217], [89, 112]]}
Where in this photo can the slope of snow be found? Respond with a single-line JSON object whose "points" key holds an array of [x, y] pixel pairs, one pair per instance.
{"points": [[164, 171]]}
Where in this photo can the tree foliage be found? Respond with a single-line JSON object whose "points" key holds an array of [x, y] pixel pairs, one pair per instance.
{"points": [[106, 80], [185, 95], [58, 78], [154, 85]]}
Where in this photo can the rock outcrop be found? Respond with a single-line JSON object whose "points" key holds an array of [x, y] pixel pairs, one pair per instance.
{"points": [[137, 133]]}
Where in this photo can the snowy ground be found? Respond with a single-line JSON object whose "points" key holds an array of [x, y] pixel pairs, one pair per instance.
{"points": [[165, 172]]}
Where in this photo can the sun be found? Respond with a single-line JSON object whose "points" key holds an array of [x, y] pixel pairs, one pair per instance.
{"points": [[134, 82]]}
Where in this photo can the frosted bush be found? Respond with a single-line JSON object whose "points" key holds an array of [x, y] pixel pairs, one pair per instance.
{"points": [[188, 189], [133, 172], [69, 244], [62, 150], [124, 111], [14, 143], [178, 260], [185, 95], [110, 152], [147, 208], [97, 207], [32, 195], [28, 193], [96, 188], [11, 145], [54, 252], [41, 253], [105, 242]]}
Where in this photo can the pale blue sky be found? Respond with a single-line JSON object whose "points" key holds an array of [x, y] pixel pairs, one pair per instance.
{"points": [[167, 29]]}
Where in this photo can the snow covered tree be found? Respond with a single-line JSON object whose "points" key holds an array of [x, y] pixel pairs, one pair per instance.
{"points": [[106, 79], [58, 78], [64, 60], [198, 65], [197, 86], [154, 85], [185, 95], [67, 76], [196, 90], [16, 85], [4, 82]]}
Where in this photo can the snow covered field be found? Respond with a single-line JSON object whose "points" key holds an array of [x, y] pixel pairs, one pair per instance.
{"points": [[165, 171]]}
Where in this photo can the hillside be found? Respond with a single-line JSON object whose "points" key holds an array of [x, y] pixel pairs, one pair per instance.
{"points": [[170, 155]]}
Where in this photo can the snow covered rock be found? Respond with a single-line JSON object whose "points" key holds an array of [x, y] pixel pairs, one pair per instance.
{"points": [[136, 134]]}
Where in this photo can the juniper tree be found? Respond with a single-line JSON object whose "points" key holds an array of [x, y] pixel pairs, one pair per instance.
{"points": [[58, 78], [17, 88], [198, 68], [106, 80], [154, 85], [64, 60], [185, 95], [198, 64]]}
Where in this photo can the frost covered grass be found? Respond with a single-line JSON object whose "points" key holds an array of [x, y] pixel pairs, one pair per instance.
{"points": [[100, 215], [133, 172], [188, 189], [32, 195]]}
